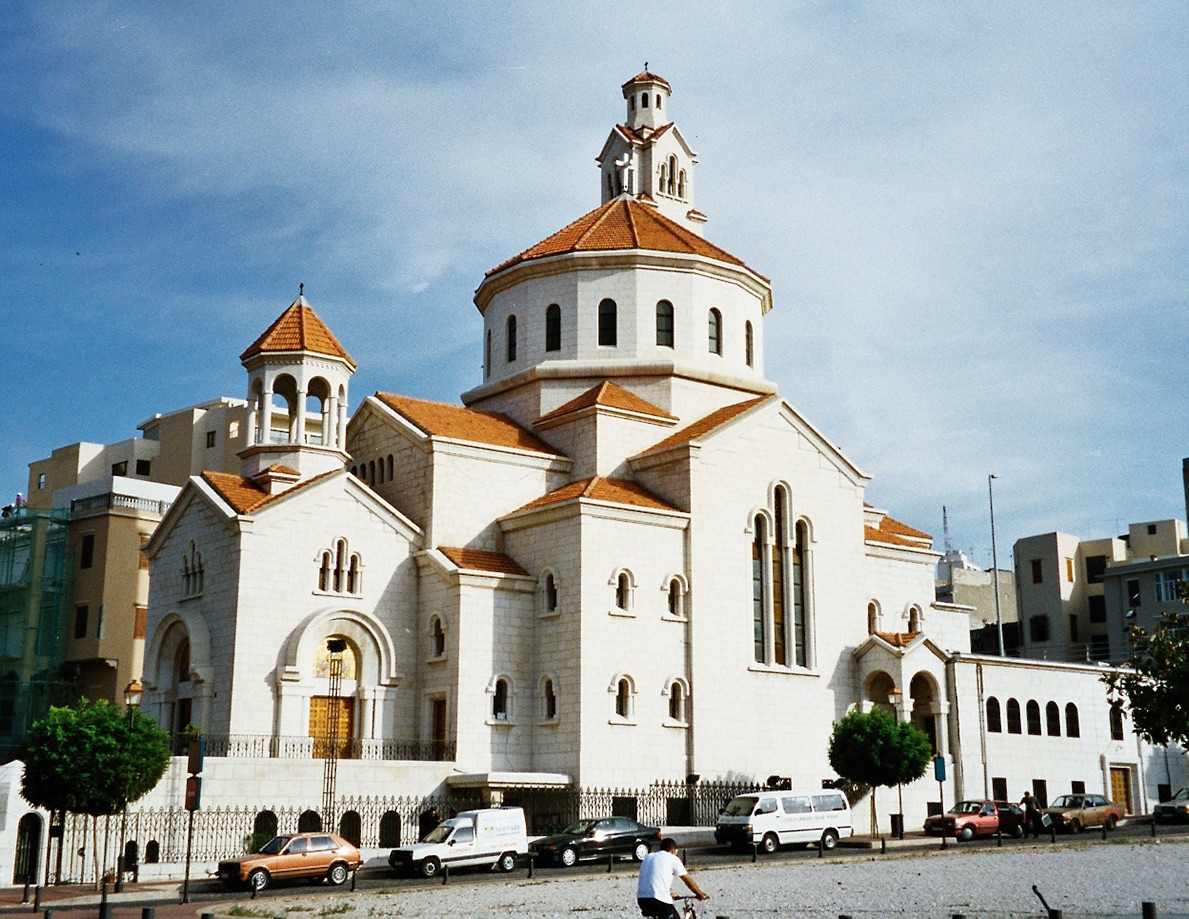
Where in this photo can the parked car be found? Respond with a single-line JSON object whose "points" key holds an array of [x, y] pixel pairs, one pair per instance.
{"points": [[968, 819], [302, 855], [492, 837], [586, 839], [1175, 809], [1076, 812]]}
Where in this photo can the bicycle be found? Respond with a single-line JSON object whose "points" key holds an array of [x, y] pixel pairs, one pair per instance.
{"points": [[687, 907]]}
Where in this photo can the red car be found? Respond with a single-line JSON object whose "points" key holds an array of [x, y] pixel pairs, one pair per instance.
{"points": [[968, 819]]}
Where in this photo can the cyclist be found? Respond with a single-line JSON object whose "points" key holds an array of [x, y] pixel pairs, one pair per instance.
{"points": [[654, 890]]}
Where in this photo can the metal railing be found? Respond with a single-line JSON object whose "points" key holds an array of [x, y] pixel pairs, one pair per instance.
{"points": [[269, 746]]}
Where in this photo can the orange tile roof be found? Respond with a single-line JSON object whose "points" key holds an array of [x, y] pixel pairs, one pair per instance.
{"points": [[441, 420], [647, 75], [240, 492], [621, 224], [891, 525], [707, 424], [478, 560], [645, 134], [244, 495], [611, 395], [898, 639], [298, 329], [871, 534], [610, 491]]}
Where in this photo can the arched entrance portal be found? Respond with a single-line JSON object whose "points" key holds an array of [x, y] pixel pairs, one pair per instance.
{"points": [[332, 713], [28, 850]]}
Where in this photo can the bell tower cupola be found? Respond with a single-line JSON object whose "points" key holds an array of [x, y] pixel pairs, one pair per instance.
{"points": [[647, 97], [297, 396]]}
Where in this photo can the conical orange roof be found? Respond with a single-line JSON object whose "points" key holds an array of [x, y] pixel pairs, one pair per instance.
{"points": [[622, 223], [298, 329]]}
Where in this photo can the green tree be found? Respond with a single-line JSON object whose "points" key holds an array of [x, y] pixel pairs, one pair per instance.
{"points": [[875, 748], [92, 758], [1154, 682]]}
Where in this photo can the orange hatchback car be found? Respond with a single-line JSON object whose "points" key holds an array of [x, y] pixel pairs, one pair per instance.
{"points": [[303, 855]]}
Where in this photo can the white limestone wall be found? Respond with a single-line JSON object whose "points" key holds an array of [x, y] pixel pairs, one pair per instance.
{"points": [[280, 603], [551, 541], [579, 286], [732, 477], [644, 643], [435, 677], [210, 615], [898, 581], [371, 437], [495, 616], [601, 442], [1059, 760], [473, 486]]}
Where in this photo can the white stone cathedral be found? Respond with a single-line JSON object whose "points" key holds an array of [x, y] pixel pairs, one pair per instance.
{"points": [[624, 558]]}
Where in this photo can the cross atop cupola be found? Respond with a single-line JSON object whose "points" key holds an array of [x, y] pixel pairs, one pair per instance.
{"points": [[647, 97]]}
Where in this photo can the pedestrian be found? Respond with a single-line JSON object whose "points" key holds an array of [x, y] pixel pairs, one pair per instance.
{"points": [[654, 891], [1032, 813], [426, 822]]}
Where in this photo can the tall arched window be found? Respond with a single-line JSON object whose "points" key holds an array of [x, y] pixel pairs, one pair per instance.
{"points": [[623, 588], [994, 718], [1053, 719], [623, 698], [672, 187], [354, 576], [549, 594], [1013, 717], [1116, 721], [715, 324], [664, 324], [553, 327], [511, 339], [801, 594], [749, 344], [872, 618], [677, 701], [340, 564], [779, 655], [437, 638], [499, 700], [324, 572], [1073, 726], [758, 592], [676, 606], [608, 324], [681, 184], [548, 700], [1032, 709]]}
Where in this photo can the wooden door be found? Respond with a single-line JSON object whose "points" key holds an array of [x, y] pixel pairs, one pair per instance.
{"points": [[438, 716], [320, 723], [1121, 788]]}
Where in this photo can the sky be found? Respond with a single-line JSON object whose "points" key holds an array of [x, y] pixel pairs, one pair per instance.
{"points": [[975, 216]]}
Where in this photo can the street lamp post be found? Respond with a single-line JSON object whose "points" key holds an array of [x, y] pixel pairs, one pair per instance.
{"points": [[133, 693], [995, 566]]}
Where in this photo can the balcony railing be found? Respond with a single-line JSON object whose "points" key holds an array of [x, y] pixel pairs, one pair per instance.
{"points": [[267, 746], [112, 499]]}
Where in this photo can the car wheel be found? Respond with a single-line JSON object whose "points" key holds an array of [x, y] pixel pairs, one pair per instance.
{"points": [[1075, 825], [506, 862], [966, 833], [1110, 822], [1017, 831], [429, 867], [641, 850], [569, 856], [769, 843], [258, 879], [830, 840], [337, 875]]}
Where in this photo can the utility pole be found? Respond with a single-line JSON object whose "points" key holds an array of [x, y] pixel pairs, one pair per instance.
{"points": [[995, 566]]}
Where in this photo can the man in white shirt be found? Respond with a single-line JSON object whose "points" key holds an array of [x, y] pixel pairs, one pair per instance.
{"points": [[654, 890]]}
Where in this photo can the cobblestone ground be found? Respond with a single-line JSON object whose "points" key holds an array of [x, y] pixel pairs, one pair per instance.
{"points": [[1091, 880]]}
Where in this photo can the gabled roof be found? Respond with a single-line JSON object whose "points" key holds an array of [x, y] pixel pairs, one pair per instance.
{"points": [[643, 135], [298, 329], [245, 495], [704, 426], [478, 560], [437, 419], [610, 395], [622, 224], [609, 491]]}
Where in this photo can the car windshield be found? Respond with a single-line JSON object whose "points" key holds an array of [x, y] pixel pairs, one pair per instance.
{"points": [[581, 828], [439, 833], [741, 806], [1068, 801], [274, 845], [1182, 795], [966, 807]]}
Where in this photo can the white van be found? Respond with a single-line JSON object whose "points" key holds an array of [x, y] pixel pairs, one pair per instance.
{"points": [[771, 819], [492, 837]]}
